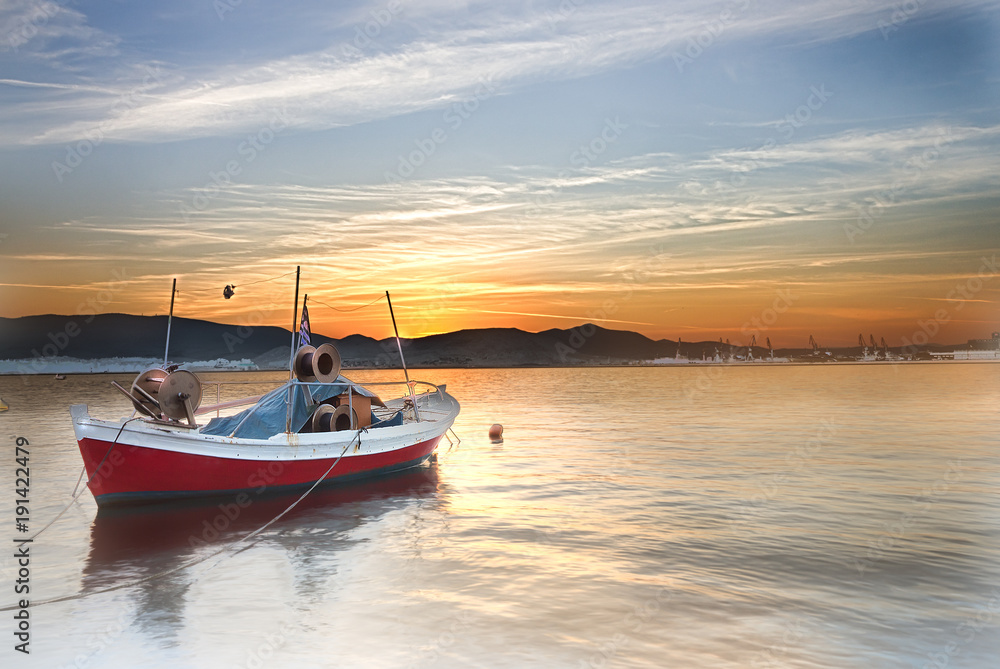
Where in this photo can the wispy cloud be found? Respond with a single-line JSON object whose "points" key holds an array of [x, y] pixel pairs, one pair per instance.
{"points": [[490, 240], [689, 202], [57, 35], [453, 55]]}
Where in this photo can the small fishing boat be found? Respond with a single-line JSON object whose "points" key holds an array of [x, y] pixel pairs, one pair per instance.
{"points": [[3, 405], [317, 427]]}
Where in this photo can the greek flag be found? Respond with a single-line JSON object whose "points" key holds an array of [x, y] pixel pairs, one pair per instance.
{"points": [[304, 339]]}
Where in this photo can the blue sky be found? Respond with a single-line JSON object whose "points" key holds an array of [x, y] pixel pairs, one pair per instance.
{"points": [[668, 167]]}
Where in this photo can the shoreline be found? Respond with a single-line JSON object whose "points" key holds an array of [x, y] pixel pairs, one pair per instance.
{"points": [[687, 364]]}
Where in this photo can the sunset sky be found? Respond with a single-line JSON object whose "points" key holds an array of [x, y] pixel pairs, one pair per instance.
{"points": [[681, 169]]}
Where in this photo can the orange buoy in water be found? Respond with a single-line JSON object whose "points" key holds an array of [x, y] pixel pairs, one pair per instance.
{"points": [[496, 433]]}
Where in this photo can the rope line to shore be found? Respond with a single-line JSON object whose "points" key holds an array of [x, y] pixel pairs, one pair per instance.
{"points": [[76, 494], [192, 562]]}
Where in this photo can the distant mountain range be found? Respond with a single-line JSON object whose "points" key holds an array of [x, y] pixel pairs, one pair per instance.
{"points": [[122, 335]]}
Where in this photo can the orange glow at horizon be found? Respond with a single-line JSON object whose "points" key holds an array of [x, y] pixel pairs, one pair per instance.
{"points": [[697, 312]]}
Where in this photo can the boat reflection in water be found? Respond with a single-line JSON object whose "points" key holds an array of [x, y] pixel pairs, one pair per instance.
{"points": [[132, 543]]}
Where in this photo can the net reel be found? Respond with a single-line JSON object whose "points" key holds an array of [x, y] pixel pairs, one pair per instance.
{"points": [[317, 364], [329, 419], [146, 389], [160, 394]]}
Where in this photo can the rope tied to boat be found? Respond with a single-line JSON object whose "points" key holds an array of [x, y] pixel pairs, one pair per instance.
{"points": [[195, 561], [76, 495]]}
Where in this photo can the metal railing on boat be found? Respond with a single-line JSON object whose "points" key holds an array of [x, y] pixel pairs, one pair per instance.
{"points": [[409, 392]]}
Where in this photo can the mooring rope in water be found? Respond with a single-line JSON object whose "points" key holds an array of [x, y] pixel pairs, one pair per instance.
{"points": [[452, 444], [193, 562], [78, 479]]}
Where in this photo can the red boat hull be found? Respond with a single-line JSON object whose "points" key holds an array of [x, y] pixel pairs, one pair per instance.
{"points": [[125, 474]]}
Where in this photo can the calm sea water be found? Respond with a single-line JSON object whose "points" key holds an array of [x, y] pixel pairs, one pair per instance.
{"points": [[770, 516]]}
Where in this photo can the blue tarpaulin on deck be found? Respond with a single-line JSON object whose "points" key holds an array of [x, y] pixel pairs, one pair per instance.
{"points": [[267, 418]]}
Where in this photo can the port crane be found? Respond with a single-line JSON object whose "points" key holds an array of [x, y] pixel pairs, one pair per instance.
{"points": [[753, 342], [815, 346], [871, 350], [770, 350]]}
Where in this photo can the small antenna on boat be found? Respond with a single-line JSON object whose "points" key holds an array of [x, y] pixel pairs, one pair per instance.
{"points": [[295, 318], [401, 358], [166, 351], [291, 355]]}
